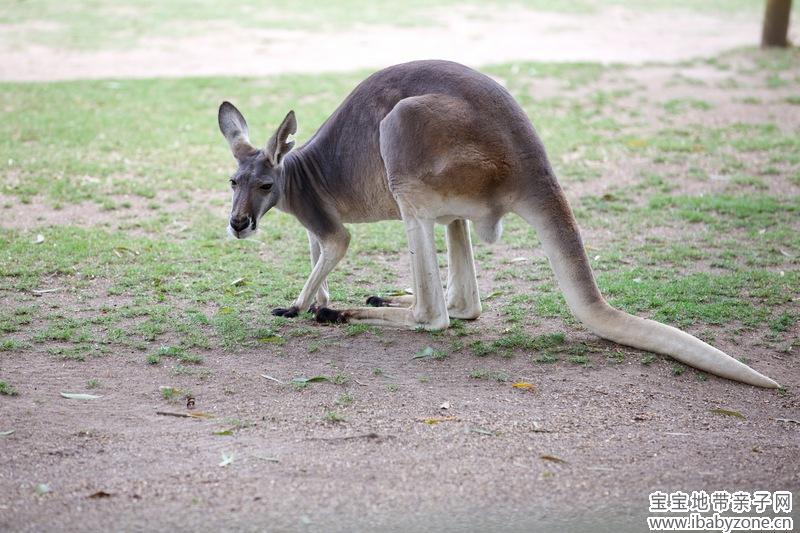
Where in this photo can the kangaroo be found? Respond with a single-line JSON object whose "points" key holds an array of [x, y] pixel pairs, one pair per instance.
{"points": [[432, 142]]}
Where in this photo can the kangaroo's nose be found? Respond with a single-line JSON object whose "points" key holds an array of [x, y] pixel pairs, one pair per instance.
{"points": [[240, 223]]}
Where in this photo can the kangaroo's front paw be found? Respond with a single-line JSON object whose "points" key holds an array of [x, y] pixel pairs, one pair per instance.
{"points": [[287, 312], [325, 315], [377, 301]]}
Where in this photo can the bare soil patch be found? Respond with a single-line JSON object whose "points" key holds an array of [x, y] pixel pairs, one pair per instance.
{"points": [[470, 35]]}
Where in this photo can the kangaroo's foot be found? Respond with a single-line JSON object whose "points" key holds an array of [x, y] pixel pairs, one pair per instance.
{"points": [[286, 312], [325, 315], [464, 310]]}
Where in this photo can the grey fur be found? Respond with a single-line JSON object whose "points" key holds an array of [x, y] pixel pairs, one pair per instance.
{"points": [[435, 141]]}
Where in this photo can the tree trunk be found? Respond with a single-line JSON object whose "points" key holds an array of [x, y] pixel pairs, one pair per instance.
{"points": [[776, 23]]}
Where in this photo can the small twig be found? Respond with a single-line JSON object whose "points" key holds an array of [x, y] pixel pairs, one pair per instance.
{"points": [[269, 459], [371, 435], [179, 415]]}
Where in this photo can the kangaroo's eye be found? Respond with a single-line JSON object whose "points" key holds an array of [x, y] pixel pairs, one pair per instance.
{"points": [[266, 187], [233, 182]]}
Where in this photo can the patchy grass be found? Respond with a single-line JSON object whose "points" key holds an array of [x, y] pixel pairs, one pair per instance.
{"points": [[345, 400], [11, 345], [517, 339], [7, 390], [495, 375], [174, 394], [333, 417], [673, 243], [174, 352]]}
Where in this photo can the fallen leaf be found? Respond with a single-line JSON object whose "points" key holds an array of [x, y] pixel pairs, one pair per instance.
{"points": [[238, 282], [423, 353], [552, 458], [7, 433], [78, 396], [43, 488], [199, 415], [273, 379], [537, 428], [436, 419], [223, 433], [480, 431], [314, 379], [39, 239], [226, 459], [271, 339], [399, 292], [636, 143], [45, 291], [494, 294], [524, 385], [727, 412], [518, 260], [119, 250], [100, 494], [445, 405]]}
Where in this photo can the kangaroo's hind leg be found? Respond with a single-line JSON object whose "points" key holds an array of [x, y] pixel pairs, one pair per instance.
{"points": [[429, 310], [463, 299]]}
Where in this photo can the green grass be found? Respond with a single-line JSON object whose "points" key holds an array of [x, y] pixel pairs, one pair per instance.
{"points": [[174, 352], [7, 390], [495, 375], [345, 400], [174, 394], [333, 417], [11, 345]]}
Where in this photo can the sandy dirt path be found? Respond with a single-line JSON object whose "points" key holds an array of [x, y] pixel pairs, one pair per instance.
{"points": [[468, 35]]}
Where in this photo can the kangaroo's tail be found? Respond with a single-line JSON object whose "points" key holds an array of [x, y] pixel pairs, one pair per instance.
{"points": [[553, 220]]}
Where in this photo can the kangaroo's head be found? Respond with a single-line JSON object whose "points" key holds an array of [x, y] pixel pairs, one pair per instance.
{"points": [[259, 181]]}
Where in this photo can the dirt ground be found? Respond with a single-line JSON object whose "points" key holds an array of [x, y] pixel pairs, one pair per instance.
{"points": [[579, 451], [621, 433]]}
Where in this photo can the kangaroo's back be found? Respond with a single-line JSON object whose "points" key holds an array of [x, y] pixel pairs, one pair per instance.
{"points": [[349, 141]]}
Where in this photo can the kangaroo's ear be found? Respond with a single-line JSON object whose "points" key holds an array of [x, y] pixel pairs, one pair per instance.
{"points": [[277, 146], [234, 128]]}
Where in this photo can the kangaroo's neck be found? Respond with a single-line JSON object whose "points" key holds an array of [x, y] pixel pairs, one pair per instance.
{"points": [[305, 191]]}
